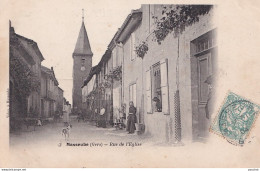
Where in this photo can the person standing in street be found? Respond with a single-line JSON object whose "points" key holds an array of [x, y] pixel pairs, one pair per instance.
{"points": [[131, 119], [66, 113], [102, 118]]}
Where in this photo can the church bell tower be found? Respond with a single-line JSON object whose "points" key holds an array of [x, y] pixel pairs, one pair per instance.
{"points": [[82, 63]]}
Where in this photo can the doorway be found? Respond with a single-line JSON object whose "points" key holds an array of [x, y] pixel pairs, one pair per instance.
{"points": [[203, 63]]}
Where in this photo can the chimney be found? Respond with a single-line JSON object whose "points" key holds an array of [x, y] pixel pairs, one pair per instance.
{"points": [[52, 68], [11, 29]]}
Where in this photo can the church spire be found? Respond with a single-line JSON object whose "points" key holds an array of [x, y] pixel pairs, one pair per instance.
{"points": [[82, 15], [82, 46]]}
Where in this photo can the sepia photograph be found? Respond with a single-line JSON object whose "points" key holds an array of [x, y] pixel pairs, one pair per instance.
{"points": [[118, 84]]}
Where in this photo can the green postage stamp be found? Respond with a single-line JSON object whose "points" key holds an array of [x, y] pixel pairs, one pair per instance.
{"points": [[235, 119]]}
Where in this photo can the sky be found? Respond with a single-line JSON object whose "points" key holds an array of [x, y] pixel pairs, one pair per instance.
{"points": [[55, 26]]}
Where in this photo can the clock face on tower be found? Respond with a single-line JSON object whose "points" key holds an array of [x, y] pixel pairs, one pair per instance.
{"points": [[82, 68]]}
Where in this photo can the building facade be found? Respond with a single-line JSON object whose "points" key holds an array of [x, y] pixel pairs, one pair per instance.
{"points": [[89, 91], [131, 85], [115, 72], [25, 74], [60, 100], [49, 92], [33, 89], [169, 84], [97, 89], [18, 57], [34, 106]]}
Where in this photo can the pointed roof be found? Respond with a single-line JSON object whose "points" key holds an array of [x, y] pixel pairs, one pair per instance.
{"points": [[82, 45]]}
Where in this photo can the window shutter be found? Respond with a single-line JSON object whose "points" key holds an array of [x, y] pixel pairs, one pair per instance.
{"points": [[133, 54], [148, 92], [134, 95], [165, 86], [151, 19], [131, 93]]}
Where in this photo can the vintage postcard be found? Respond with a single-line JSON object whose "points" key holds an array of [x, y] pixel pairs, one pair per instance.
{"points": [[141, 84]]}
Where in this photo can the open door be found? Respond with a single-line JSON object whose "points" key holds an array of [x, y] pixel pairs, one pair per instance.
{"points": [[204, 71], [203, 62]]}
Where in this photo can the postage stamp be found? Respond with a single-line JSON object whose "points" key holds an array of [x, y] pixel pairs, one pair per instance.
{"points": [[235, 119]]}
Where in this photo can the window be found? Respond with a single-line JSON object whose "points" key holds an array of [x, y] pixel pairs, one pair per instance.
{"points": [[104, 66], [156, 88], [83, 61], [132, 47], [107, 67], [52, 85], [82, 64], [116, 97], [132, 93], [114, 58], [151, 19], [205, 42]]}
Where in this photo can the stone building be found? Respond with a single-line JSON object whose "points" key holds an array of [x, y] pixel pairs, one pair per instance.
{"points": [[89, 90], [172, 73], [82, 63], [26, 56], [131, 85], [105, 86], [49, 92], [115, 72], [168, 85], [60, 100], [17, 103], [34, 98], [97, 88], [34, 91]]}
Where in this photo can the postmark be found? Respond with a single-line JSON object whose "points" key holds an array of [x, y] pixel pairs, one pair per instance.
{"points": [[235, 119]]}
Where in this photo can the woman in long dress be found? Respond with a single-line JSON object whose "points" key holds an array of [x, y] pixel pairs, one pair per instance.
{"points": [[102, 118], [131, 119]]}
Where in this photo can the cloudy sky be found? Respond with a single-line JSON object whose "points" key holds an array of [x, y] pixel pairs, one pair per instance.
{"points": [[55, 26]]}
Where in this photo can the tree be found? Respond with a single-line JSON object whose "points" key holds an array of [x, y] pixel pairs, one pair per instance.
{"points": [[25, 81], [176, 17]]}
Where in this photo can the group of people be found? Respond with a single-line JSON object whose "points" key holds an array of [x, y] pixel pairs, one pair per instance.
{"points": [[118, 119], [101, 117], [120, 116]]}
